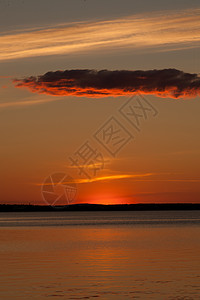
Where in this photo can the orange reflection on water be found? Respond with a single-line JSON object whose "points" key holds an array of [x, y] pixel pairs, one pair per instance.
{"points": [[110, 262]]}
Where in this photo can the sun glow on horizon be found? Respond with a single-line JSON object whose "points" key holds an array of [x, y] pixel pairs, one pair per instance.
{"points": [[106, 199]]}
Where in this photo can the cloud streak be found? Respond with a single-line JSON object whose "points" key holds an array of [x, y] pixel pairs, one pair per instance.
{"points": [[113, 177], [91, 83], [169, 31], [25, 103], [102, 178]]}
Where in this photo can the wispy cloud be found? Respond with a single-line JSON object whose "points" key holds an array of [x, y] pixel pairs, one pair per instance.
{"points": [[25, 103], [113, 177], [91, 83], [102, 178], [143, 177], [169, 30]]}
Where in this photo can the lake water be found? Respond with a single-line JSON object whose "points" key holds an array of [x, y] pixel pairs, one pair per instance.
{"points": [[105, 255]]}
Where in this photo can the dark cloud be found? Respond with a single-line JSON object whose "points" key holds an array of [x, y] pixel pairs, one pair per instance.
{"points": [[91, 83]]}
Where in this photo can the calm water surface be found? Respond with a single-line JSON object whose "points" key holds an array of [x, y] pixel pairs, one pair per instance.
{"points": [[105, 255]]}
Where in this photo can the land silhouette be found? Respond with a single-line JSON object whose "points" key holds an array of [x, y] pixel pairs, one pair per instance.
{"points": [[101, 207]]}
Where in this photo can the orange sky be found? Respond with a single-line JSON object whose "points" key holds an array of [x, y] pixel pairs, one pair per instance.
{"points": [[152, 156]]}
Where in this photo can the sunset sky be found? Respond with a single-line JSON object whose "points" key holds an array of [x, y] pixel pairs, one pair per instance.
{"points": [[105, 92]]}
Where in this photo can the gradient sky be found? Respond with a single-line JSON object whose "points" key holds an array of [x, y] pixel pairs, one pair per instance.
{"points": [[39, 132]]}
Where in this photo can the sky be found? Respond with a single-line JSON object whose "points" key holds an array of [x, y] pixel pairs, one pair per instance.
{"points": [[99, 101]]}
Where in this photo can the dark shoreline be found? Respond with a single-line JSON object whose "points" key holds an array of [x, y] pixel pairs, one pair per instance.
{"points": [[101, 207]]}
